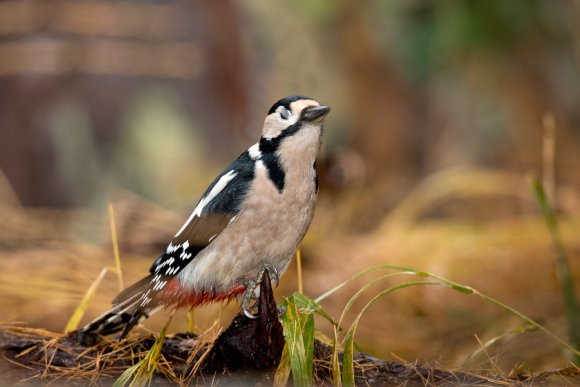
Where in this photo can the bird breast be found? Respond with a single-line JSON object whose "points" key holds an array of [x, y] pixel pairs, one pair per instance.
{"points": [[268, 228]]}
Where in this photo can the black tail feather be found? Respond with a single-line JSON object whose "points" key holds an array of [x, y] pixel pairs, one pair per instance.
{"points": [[125, 314], [138, 287]]}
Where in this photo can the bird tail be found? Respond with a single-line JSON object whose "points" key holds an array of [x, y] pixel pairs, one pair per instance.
{"points": [[127, 312]]}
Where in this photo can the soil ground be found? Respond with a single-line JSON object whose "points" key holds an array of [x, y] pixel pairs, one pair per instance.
{"points": [[247, 352]]}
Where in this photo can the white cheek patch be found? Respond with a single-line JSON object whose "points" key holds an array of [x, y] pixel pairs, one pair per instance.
{"points": [[220, 185], [274, 125]]}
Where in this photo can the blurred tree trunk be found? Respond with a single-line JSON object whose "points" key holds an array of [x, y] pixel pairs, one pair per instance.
{"points": [[382, 105], [224, 80], [101, 64], [25, 157]]}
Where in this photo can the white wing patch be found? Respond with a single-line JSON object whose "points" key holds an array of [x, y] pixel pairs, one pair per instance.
{"points": [[220, 185], [254, 151]]}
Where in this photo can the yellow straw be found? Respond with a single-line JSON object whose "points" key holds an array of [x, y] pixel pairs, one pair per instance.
{"points": [[299, 270], [117, 269]]}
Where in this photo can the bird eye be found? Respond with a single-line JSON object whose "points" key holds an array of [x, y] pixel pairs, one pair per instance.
{"points": [[284, 113]]}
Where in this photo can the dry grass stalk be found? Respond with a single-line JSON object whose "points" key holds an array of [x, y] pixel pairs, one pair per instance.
{"points": [[115, 241], [80, 310]]}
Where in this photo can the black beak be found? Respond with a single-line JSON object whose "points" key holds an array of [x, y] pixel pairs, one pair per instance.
{"points": [[315, 113]]}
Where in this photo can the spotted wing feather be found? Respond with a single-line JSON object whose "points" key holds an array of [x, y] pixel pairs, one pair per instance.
{"points": [[221, 202]]}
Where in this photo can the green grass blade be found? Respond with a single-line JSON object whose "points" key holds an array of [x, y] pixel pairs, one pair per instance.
{"points": [[294, 343], [283, 371], [348, 360], [568, 291], [308, 337], [344, 283], [141, 373], [348, 354], [80, 310], [402, 269], [336, 374], [361, 291], [528, 320], [299, 333], [307, 305], [126, 376], [465, 290], [469, 290]]}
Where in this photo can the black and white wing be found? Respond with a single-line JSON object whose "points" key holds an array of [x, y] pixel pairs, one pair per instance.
{"points": [[221, 202]]}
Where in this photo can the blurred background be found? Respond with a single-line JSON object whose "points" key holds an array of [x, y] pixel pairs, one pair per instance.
{"points": [[441, 111]]}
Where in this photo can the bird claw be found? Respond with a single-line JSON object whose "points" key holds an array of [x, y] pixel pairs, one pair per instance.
{"points": [[272, 273], [249, 312], [250, 315], [251, 286], [281, 311]]}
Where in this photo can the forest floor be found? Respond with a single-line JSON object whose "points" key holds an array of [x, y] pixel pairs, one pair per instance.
{"points": [[247, 352], [36, 357]]}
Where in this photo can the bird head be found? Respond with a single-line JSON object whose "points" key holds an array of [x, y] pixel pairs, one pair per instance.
{"points": [[292, 115]]}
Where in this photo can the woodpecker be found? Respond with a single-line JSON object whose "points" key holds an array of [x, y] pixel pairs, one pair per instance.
{"points": [[250, 220]]}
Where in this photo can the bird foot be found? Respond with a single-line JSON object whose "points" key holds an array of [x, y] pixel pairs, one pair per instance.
{"points": [[252, 285]]}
